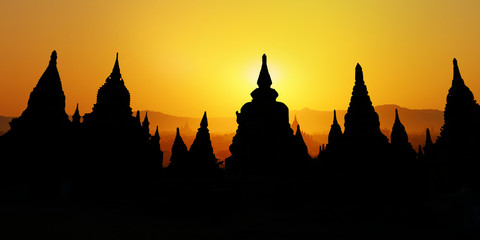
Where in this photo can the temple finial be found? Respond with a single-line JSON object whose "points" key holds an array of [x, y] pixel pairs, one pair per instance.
{"points": [[204, 122], [53, 58], [145, 120], [358, 73], [298, 130], [397, 119], [178, 131], [335, 117], [116, 70], [457, 78], [264, 80], [428, 139], [76, 110], [76, 116]]}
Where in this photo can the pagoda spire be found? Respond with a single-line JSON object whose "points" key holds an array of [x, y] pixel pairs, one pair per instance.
{"points": [[359, 74], [157, 135], [204, 122], [76, 116], [116, 75], [301, 147], [335, 133], [428, 139], [178, 140], [145, 120], [137, 118], [397, 119], [53, 59], [179, 152], [457, 78], [298, 133], [264, 80], [146, 124], [335, 117], [399, 134]]}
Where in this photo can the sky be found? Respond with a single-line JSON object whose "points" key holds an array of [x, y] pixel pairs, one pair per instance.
{"points": [[187, 57]]}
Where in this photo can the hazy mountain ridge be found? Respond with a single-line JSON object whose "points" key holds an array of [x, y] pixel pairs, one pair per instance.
{"points": [[4, 124], [311, 121], [414, 120]]}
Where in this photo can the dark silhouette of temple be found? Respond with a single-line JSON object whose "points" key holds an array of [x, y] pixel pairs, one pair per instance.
{"points": [[264, 143], [335, 134], [457, 146], [109, 151], [399, 139], [109, 155], [118, 143], [362, 143], [362, 128], [179, 158], [35, 147], [46, 105], [200, 160]]}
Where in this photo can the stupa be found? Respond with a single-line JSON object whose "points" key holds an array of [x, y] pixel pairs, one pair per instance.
{"points": [[264, 142]]}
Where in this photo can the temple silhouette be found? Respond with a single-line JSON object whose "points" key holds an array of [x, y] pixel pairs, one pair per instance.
{"points": [[264, 142], [199, 161], [110, 156]]}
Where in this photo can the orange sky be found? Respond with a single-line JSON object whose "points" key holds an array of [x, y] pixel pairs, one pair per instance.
{"points": [[184, 57]]}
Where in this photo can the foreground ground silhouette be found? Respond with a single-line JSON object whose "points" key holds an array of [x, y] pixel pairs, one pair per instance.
{"points": [[360, 185]]}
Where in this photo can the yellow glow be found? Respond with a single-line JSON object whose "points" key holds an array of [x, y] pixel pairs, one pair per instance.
{"points": [[184, 57]]}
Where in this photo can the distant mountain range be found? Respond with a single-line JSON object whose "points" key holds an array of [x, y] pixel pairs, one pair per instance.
{"points": [[4, 126], [311, 121]]}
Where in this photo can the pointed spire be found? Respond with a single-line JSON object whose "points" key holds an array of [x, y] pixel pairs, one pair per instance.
{"points": [[179, 152], [428, 139], [335, 117], [399, 134], [397, 119], [178, 140], [335, 133], [457, 78], [76, 111], [76, 116], [146, 124], [137, 118], [264, 80], [298, 132], [53, 59], [116, 71], [204, 122], [358, 74], [145, 120], [157, 135]]}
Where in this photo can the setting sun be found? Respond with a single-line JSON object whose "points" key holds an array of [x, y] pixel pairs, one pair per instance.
{"points": [[205, 55]]}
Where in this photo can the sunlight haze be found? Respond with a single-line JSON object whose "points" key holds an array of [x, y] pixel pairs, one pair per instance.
{"points": [[185, 57]]}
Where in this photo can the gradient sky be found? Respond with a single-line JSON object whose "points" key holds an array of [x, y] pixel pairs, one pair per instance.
{"points": [[184, 57]]}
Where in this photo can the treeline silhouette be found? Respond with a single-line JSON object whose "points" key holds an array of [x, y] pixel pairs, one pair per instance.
{"points": [[109, 155]]}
